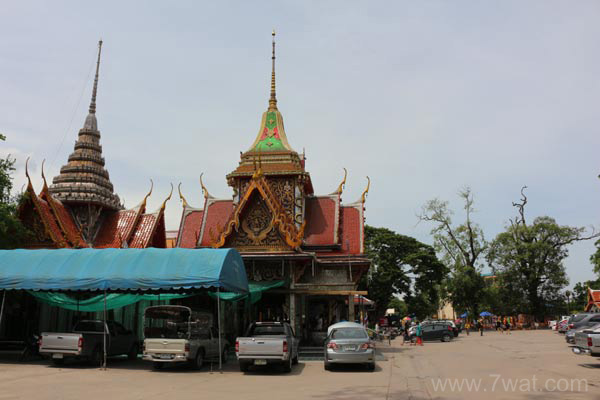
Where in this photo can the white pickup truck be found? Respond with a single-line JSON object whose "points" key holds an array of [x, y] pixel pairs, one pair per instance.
{"points": [[267, 343], [87, 342], [177, 334], [587, 341]]}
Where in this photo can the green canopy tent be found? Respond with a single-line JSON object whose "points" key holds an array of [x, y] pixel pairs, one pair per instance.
{"points": [[124, 271]]}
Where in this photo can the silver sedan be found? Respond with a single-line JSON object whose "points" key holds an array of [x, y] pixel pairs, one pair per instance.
{"points": [[349, 343]]}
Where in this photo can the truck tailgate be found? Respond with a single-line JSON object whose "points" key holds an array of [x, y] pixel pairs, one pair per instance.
{"points": [[60, 342], [172, 346], [261, 347]]}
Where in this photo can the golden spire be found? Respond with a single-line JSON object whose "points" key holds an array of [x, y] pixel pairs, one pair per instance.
{"points": [[363, 197], [95, 90], [183, 200], [273, 99]]}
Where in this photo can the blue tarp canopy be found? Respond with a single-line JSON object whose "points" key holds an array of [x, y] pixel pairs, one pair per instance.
{"points": [[123, 269]]}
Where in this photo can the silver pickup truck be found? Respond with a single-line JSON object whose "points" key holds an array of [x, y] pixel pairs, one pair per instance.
{"points": [[587, 341], [87, 342], [177, 334], [267, 343]]}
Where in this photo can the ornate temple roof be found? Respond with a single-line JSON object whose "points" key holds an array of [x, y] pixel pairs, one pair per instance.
{"points": [[271, 148], [84, 179]]}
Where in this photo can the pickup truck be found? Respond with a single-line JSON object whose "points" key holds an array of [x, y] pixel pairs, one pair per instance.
{"points": [[177, 334], [267, 343], [87, 342], [587, 341]]}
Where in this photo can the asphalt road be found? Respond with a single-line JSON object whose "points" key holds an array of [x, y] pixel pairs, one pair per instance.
{"points": [[524, 365]]}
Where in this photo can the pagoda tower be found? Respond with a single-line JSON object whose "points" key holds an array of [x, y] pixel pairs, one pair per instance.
{"points": [[83, 183], [80, 208]]}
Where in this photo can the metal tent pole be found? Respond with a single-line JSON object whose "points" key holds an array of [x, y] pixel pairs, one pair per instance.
{"points": [[2, 307], [105, 326], [219, 323]]}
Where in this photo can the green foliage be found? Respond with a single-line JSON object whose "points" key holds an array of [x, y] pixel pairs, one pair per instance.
{"points": [[462, 248], [466, 289], [12, 232], [595, 259], [398, 305], [395, 259], [529, 261]]}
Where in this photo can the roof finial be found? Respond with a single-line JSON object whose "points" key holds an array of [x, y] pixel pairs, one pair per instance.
{"points": [[27, 173], [95, 90], [363, 197], [44, 176], [143, 204], [183, 200], [162, 207], [273, 99], [204, 189], [340, 188]]}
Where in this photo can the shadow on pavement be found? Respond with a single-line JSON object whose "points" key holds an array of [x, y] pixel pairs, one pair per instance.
{"points": [[274, 370], [592, 366], [341, 368]]}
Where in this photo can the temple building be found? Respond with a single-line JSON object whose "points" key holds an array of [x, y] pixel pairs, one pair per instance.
{"points": [[309, 247], [80, 208]]}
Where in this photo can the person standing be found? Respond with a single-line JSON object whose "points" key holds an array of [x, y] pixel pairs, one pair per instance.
{"points": [[467, 326], [419, 335], [480, 326]]}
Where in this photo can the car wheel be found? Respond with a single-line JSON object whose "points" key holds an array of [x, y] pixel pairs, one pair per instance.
{"points": [[157, 365], [295, 360], [133, 352], [97, 357], [371, 367], [446, 338], [327, 366], [199, 361], [58, 361], [287, 365], [244, 366]]}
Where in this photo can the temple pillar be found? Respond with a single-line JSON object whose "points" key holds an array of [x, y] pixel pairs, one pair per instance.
{"points": [[351, 316]]}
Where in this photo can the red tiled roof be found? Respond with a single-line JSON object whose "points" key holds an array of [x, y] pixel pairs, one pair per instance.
{"points": [[117, 227], [216, 214], [593, 300], [321, 221], [144, 231], [352, 234], [50, 222], [595, 295], [64, 220], [191, 223]]}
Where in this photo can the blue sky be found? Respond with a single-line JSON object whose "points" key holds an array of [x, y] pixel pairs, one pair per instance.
{"points": [[424, 97]]}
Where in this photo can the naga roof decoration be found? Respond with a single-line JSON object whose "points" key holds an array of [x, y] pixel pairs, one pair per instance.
{"points": [[281, 220], [84, 179]]}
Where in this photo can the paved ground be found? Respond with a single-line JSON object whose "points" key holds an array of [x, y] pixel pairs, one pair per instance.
{"points": [[525, 365]]}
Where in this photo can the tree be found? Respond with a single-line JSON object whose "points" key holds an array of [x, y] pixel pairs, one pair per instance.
{"points": [[401, 266], [462, 248], [595, 259], [530, 257], [399, 306], [12, 232]]}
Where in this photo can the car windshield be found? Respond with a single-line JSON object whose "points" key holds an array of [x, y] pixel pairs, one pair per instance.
{"points": [[577, 318], [167, 322], [349, 333]]}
